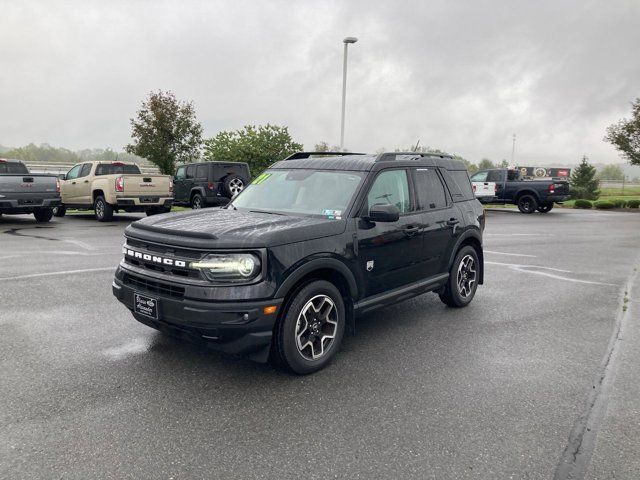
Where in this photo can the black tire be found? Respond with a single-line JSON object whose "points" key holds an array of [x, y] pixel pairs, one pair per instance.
{"points": [[43, 215], [102, 210], [151, 211], [545, 207], [232, 185], [527, 204], [320, 295], [60, 211], [197, 202], [453, 294]]}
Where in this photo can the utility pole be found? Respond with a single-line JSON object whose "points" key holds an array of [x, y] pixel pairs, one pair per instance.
{"points": [[513, 151], [346, 42]]}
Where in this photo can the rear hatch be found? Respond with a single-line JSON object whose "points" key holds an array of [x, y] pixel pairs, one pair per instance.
{"points": [[146, 185], [559, 187]]}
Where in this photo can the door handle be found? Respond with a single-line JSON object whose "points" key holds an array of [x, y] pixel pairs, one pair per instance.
{"points": [[411, 230], [452, 221], [86, 181], [73, 183]]}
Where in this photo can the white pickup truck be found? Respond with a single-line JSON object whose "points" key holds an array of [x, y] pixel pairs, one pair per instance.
{"points": [[484, 190], [110, 187]]}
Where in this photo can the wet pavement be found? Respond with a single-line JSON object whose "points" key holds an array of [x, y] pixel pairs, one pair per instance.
{"points": [[494, 390]]}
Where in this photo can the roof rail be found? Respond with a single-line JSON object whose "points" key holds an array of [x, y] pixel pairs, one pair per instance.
{"points": [[298, 155], [383, 157]]}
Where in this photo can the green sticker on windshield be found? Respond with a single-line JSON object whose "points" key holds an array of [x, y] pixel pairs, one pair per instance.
{"points": [[261, 178]]}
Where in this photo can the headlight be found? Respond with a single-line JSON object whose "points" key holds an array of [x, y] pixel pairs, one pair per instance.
{"points": [[229, 266]]}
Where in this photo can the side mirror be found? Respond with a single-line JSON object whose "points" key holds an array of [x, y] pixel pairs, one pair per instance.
{"points": [[62, 176], [383, 213]]}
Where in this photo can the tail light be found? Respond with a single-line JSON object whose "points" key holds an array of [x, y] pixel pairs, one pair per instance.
{"points": [[474, 188], [117, 164], [552, 188], [57, 186], [495, 188], [170, 186], [120, 184], [210, 185]]}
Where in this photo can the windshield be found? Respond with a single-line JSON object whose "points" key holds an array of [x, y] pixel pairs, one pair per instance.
{"points": [[307, 192]]}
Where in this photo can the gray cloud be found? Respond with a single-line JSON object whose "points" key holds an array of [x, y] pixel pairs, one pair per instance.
{"points": [[461, 76]]}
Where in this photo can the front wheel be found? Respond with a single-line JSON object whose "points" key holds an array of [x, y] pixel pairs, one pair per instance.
{"points": [[103, 211], [527, 204], [311, 328], [545, 207], [43, 215], [463, 279]]}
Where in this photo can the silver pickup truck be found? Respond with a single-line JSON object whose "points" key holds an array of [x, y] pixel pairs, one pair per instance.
{"points": [[24, 192]]}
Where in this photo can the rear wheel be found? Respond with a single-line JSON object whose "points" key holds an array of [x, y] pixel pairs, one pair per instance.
{"points": [[311, 328], [43, 215], [59, 211], [463, 279], [197, 202], [527, 204], [103, 211], [151, 211], [545, 207]]}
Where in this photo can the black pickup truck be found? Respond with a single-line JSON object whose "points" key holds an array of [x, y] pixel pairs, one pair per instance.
{"points": [[508, 186], [23, 192]]}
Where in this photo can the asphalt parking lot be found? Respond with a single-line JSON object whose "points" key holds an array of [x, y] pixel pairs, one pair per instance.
{"points": [[493, 391]]}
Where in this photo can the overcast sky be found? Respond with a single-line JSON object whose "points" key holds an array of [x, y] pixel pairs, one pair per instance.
{"points": [[459, 76]]}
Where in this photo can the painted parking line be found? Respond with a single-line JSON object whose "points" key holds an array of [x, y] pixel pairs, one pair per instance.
{"points": [[540, 270], [510, 254], [64, 272]]}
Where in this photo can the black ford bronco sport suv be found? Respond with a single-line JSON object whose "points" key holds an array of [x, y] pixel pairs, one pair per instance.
{"points": [[313, 242]]}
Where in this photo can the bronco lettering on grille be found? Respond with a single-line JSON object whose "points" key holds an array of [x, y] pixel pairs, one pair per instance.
{"points": [[154, 258]]}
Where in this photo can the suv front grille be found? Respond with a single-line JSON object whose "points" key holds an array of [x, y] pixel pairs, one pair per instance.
{"points": [[159, 250], [152, 286]]}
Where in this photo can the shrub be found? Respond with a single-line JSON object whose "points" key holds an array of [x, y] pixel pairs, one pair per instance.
{"points": [[633, 203], [582, 204], [603, 204], [620, 203]]}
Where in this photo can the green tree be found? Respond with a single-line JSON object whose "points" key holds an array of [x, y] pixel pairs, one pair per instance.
{"points": [[258, 146], [584, 183], [611, 172], [324, 147], [504, 163], [625, 135], [485, 164], [165, 131]]}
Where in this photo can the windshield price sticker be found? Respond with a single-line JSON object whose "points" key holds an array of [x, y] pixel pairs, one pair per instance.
{"points": [[333, 214], [261, 178]]}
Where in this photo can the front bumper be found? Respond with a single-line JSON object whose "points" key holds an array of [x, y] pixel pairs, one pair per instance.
{"points": [[232, 327]]}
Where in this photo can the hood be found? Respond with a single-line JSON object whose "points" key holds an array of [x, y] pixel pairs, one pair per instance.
{"points": [[225, 228]]}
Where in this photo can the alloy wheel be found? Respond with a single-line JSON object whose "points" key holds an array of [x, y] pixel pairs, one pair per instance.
{"points": [[236, 186], [466, 275], [316, 327]]}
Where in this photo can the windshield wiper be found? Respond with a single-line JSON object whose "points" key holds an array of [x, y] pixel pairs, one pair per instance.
{"points": [[269, 213]]}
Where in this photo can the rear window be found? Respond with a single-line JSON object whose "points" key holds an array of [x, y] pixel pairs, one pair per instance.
{"points": [[111, 169], [13, 167], [459, 184], [222, 170]]}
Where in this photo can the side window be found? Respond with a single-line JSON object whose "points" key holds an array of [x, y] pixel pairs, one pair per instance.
{"points": [[430, 190], [180, 173], [480, 177], [459, 184], [191, 170], [86, 169], [495, 176], [201, 171], [390, 187], [74, 172]]}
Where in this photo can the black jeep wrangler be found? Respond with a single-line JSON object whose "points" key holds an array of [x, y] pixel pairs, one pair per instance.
{"points": [[206, 184], [313, 242]]}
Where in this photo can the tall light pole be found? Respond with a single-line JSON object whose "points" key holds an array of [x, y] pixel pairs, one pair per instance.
{"points": [[346, 42], [513, 151]]}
